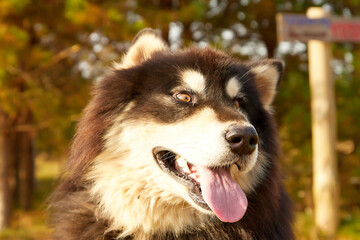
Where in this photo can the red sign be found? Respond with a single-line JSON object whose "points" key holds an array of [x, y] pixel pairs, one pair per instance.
{"points": [[297, 27], [345, 30]]}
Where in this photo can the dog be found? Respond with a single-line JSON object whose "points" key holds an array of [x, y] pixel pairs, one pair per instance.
{"points": [[176, 145]]}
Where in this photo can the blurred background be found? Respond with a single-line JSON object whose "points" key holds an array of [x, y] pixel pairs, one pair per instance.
{"points": [[52, 51]]}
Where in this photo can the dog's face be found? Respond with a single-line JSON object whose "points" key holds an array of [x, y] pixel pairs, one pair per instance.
{"points": [[187, 142]]}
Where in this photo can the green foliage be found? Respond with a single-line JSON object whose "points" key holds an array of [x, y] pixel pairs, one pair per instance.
{"points": [[115, 16], [12, 6]]}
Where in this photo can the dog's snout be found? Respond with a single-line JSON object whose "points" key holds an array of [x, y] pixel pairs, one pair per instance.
{"points": [[242, 139]]}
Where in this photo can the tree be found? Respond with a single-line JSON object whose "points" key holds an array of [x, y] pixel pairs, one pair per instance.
{"points": [[4, 186]]}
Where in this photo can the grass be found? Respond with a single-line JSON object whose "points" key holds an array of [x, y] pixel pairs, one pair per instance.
{"points": [[31, 225], [350, 225], [349, 228]]}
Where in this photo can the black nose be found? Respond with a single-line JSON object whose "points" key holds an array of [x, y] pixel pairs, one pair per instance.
{"points": [[242, 139]]}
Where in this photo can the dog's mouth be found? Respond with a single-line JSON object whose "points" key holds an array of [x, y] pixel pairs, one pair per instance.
{"points": [[183, 172], [210, 188]]}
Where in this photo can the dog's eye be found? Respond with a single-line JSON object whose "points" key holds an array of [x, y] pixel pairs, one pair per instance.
{"points": [[184, 97], [239, 103]]}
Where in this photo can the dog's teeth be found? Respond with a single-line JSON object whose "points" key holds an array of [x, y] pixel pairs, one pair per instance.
{"points": [[181, 162], [186, 170], [192, 175], [183, 165]]}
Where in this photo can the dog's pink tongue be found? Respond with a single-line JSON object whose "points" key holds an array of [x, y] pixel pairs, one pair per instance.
{"points": [[223, 195]]}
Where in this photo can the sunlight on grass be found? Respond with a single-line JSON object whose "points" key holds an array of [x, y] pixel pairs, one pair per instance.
{"points": [[27, 225], [350, 225], [349, 228], [304, 225], [31, 225]]}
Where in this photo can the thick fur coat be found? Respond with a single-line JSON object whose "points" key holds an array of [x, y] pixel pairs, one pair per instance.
{"points": [[176, 145]]}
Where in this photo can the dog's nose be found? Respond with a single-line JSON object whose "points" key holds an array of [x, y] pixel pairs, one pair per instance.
{"points": [[242, 139]]}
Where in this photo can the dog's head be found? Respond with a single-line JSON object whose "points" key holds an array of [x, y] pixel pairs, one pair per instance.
{"points": [[185, 136]]}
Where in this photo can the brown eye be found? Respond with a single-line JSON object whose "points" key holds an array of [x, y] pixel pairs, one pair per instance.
{"points": [[239, 103], [184, 97]]}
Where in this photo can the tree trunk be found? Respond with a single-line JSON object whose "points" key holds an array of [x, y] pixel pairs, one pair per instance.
{"points": [[267, 25], [4, 184], [25, 156], [12, 163], [26, 171]]}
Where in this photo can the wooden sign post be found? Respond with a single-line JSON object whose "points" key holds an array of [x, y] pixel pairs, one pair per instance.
{"points": [[319, 30], [323, 119]]}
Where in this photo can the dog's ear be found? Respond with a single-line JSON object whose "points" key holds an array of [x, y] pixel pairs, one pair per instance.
{"points": [[144, 45], [267, 75]]}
